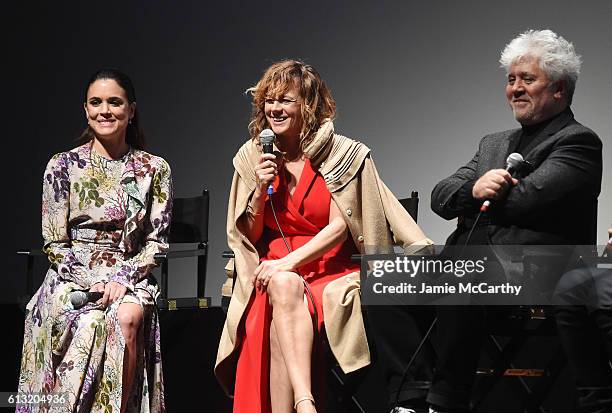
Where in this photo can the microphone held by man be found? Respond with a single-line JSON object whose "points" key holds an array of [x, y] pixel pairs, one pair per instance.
{"points": [[496, 182]]}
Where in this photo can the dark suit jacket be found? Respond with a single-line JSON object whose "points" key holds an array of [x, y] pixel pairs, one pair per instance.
{"points": [[554, 203]]}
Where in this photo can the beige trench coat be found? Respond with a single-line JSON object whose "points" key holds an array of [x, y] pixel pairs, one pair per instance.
{"points": [[376, 221]]}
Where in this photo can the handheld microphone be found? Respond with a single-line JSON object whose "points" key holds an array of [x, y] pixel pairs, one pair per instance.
{"points": [[513, 161], [266, 137], [79, 298]]}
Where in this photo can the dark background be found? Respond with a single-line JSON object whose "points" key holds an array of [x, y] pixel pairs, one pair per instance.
{"points": [[418, 82]]}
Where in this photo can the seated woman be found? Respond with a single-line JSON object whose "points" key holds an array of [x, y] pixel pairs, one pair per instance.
{"points": [[295, 278], [105, 213]]}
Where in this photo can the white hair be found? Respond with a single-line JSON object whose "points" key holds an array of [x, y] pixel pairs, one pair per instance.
{"points": [[556, 56]]}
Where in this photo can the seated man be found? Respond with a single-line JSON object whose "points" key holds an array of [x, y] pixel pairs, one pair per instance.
{"points": [[552, 202]]}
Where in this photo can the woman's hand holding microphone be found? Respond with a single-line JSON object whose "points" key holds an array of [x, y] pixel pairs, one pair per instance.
{"points": [[265, 172]]}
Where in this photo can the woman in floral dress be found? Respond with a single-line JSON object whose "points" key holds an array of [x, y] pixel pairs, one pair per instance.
{"points": [[105, 213]]}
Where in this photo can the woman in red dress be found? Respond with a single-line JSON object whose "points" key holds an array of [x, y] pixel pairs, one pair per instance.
{"points": [[274, 364], [292, 246]]}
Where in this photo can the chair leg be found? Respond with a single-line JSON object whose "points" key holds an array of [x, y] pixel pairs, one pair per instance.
{"points": [[532, 397], [30, 275], [201, 282], [164, 280], [530, 402]]}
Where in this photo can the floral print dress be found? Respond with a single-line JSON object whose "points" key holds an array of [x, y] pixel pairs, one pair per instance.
{"points": [[102, 220]]}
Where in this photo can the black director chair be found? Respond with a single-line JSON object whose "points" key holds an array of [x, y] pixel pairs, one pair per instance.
{"points": [[511, 336], [30, 257], [189, 225], [411, 204], [509, 333], [529, 375]]}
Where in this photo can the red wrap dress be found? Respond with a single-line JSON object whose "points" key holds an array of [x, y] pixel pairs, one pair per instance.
{"points": [[301, 216]]}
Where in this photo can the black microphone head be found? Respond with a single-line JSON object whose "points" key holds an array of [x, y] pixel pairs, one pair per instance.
{"points": [[266, 137], [78, 299], [514, 160]]}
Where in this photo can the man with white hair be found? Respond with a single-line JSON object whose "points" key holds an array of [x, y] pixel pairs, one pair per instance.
{"points": [[551, 202]]}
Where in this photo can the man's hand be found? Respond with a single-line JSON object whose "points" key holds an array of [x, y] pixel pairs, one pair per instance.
{"points": [[493, 185]]}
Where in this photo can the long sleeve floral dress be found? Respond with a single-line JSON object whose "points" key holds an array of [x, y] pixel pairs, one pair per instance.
{"points": [[102, 220]]}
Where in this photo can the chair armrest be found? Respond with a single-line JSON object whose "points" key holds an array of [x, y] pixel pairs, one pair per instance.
{"points": [[32, 253], [180, 254], [30, 256]]}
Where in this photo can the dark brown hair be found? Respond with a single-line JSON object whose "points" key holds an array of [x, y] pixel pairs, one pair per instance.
{"points": [[134, 135]]}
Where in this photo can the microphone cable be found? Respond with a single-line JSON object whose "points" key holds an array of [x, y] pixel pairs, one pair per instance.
{"points": [[513, 161], [469, 236], [315, 314], [433, 323], [267, 137]]}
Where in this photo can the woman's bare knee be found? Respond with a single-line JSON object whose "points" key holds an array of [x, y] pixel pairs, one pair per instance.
{"points": [[285, 288], [130, 317]]}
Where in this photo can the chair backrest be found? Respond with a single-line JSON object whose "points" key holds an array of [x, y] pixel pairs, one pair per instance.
{"points": [[190, 219], [411, 204]]}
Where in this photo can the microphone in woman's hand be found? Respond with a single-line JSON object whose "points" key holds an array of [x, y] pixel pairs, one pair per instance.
{"points": [[79, 298], [266, 137]]}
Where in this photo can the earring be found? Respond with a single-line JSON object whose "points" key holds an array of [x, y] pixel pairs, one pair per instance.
{"points": [[130, 121]]}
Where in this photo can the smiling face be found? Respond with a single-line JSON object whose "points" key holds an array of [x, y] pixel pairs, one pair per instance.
{"points": [[108, 109], [283, 113], [532, 96]]}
